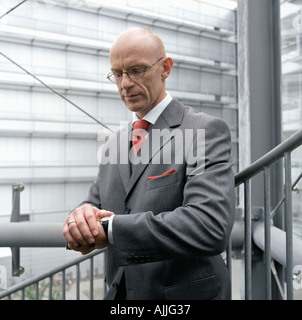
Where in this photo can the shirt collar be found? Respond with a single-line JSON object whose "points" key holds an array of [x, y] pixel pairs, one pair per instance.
{"points": [[155, 112]]}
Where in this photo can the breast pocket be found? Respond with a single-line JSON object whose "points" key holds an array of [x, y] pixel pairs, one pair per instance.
{"points": [[162, 180]]}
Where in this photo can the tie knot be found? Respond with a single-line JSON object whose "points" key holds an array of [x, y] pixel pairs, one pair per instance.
{"points": [[138, 135], [141, 124]]}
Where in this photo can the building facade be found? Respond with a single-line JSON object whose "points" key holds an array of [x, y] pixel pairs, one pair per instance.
{"points": [[50, 145]]}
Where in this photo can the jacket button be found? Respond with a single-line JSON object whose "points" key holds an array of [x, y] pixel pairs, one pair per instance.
{"points": [[130, 260], [115, 285]]}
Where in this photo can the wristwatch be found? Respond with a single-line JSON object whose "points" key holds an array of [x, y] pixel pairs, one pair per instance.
{"points": [[105, 224]]}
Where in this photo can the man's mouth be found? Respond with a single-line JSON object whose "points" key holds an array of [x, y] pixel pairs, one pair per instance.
{"points": [[131, 96]]}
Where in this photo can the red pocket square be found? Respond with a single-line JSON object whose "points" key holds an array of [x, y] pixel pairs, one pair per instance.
{"points": [[161, 175]]}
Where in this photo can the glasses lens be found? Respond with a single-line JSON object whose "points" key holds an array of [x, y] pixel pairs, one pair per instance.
{"points": [[136, 73], [115, 77]]}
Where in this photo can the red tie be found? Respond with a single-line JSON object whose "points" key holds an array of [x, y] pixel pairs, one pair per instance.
{"points": [[138, 137]]}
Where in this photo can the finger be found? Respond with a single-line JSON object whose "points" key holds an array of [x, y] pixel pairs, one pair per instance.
{"points": [[103, 213], [101, 241], [77, 229], [68, 236], [73, 246], [86, 249], [86, 224], [92, 221], [81, 226], [73, 232]]}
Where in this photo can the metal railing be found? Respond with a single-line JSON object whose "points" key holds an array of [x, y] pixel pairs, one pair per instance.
{"points": [[57, 282], [276, 244], [45, 282]]}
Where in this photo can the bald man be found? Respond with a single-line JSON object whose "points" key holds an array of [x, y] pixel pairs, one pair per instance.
{"points": [[164, 222]]}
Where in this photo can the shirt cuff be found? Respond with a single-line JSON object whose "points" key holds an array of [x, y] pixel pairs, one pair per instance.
{"points": [[110, 233]]}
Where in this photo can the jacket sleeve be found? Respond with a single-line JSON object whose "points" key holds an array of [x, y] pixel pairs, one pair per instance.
{"points": [[200, 226]]}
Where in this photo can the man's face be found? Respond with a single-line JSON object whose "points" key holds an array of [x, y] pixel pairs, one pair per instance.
{"points": [[140, 95]]}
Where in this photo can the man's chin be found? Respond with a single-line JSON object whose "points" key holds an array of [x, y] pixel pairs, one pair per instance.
{"points": [[134, 107]]}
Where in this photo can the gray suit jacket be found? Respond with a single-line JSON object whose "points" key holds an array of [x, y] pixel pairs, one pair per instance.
{"points": [[169, 232]]}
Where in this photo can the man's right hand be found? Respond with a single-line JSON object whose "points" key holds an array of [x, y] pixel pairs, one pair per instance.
{"points": [[82, 226]]}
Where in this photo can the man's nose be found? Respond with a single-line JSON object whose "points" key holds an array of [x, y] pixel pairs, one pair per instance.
{"points": [[126, 81]]}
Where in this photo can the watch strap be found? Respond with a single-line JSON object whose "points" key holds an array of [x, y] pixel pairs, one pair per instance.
{"points": [[105, 224]]}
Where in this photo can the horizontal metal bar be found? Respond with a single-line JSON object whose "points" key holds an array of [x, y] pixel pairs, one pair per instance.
{"points": [[45, 180], [278, 244], [28, 282], [29, 234], [288, 145], [32, 234], [237, 235], [32, 165]]}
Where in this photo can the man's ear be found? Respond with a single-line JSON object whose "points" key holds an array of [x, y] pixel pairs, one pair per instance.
{"points": [[167, 67]]}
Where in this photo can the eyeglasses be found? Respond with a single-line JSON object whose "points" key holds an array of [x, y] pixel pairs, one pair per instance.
{"points": [[134, 73]]}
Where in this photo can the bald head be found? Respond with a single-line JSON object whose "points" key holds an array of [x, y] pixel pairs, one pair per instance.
{"points": [[139, 40]]}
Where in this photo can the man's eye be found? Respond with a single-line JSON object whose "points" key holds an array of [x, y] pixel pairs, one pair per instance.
{"points": [[117, 74], [135, 71]]}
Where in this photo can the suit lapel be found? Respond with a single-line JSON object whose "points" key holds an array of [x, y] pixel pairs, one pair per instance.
{"points": [[171, 117], [123, 151]]}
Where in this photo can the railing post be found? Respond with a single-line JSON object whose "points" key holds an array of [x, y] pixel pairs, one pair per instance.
{"points": [[91, 278], [105, 272], [16, 216], [50, 288], [267, 233], [248, 240], [64, 284], [78, 275], [288, 226]]}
